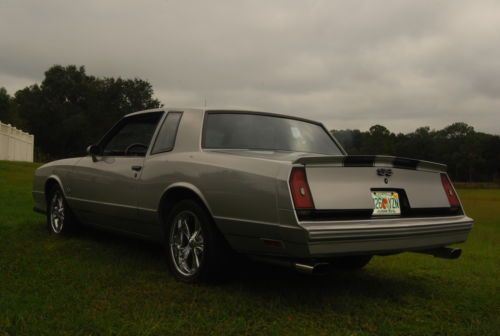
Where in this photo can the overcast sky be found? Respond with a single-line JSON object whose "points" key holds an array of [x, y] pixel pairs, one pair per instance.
{"points": [[349, 64]]}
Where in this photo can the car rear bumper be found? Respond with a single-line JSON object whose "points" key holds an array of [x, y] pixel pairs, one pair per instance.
{"points": [[379, 236]]}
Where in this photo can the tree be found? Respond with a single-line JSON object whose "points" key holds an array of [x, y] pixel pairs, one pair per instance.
{"points": [[458, 130], [470, 155], [71, 109], [379, 131], [4, 105]]}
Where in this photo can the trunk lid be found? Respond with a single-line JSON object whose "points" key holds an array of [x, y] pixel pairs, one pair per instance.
{"points": [[344, 184]]}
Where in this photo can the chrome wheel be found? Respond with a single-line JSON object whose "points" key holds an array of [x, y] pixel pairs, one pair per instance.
{"points": [[57, 212], [186, 243]]}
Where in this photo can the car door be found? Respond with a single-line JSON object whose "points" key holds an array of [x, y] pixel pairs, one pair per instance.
{"points": [[104, 187]]}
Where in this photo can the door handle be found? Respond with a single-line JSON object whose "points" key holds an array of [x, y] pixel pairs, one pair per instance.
{"points": [[136, 168]]}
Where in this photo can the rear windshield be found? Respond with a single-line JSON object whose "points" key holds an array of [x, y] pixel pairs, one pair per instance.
{"points": [[263, 132]]}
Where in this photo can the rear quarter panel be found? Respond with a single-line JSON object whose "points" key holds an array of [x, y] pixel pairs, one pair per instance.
{"points": [[234, 187], [241, 192]]}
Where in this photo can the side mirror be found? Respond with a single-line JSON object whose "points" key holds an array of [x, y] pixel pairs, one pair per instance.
{"points": [[93, 150]]}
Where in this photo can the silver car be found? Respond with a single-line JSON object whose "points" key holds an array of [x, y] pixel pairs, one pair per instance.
{"points": [[279, 189]]}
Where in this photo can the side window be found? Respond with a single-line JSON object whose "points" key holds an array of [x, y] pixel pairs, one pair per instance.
{"points": [[132, 136], [165, 140]]}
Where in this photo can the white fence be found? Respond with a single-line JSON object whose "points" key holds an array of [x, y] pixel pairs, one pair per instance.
{"points": [[15, 145]]}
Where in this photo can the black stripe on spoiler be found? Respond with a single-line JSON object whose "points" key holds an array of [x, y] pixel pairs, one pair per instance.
{"points": [[359, 161], [371, 161], [405, 163]]}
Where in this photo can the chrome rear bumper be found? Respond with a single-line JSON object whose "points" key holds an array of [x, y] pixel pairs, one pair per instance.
{"points": [[384, 235]]}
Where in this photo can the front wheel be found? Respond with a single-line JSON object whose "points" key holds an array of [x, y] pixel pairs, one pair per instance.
{"points": [[60, 220], [195, 248]]}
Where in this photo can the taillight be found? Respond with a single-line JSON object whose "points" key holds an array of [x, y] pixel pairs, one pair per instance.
{"points": [[302, 198], [450, 192]]}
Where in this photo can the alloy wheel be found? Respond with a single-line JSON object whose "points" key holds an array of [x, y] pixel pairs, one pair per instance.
{"points": [[187, 243], [57, 212]]}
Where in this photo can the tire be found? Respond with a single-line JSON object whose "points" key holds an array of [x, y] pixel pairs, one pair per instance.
{"points": [[351, 263], [60, 219], [201, 258]]}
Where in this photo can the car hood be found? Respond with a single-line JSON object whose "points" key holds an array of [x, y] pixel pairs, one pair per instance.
{"points": [[62, 162]]}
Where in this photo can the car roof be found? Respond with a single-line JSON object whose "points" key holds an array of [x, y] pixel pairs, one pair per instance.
{"points": [[220, 110]]}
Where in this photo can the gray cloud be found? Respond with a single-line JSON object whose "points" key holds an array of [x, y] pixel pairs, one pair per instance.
{"points": [[351, 64]]}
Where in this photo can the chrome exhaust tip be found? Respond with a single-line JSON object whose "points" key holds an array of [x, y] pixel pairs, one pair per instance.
{"points": [[448, 253], [311, 268], [304, 268], [444, 252]]}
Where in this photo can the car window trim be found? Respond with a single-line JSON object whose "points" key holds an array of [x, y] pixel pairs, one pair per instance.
{"points": [[171, 148]]}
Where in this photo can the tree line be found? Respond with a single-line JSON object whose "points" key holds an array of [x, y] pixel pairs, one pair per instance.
{"points": [[71, 109], [471, 156]]}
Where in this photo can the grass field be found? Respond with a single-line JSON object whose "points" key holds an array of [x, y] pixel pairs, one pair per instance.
{"points": [[100, 284]]}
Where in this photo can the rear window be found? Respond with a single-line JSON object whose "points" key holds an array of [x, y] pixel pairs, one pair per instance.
{"points": [[263, 132]]}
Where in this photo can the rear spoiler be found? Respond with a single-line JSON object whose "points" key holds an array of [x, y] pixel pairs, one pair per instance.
{"points": [[371, 161]]}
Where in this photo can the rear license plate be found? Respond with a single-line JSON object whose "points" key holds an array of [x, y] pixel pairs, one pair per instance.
{"points": [[386, 203]]}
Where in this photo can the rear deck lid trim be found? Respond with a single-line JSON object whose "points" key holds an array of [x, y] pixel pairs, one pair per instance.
{"points": [[371, 161]]}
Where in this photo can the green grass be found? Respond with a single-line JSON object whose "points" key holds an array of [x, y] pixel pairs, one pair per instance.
{"points": [[100, 284]]}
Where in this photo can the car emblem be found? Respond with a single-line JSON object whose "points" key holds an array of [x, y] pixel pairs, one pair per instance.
{"points": [[385, 172]]}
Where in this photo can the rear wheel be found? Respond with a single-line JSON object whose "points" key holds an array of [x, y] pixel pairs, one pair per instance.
{"points": [[195, 249], [60, 220], [351, 262]]}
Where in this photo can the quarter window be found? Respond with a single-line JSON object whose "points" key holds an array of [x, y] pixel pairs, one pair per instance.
{"points": [[165, 140]]}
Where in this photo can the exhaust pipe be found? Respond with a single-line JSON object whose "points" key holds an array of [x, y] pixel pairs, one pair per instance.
{"points": [[444, 252], [310, 269], [304, 268]]}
